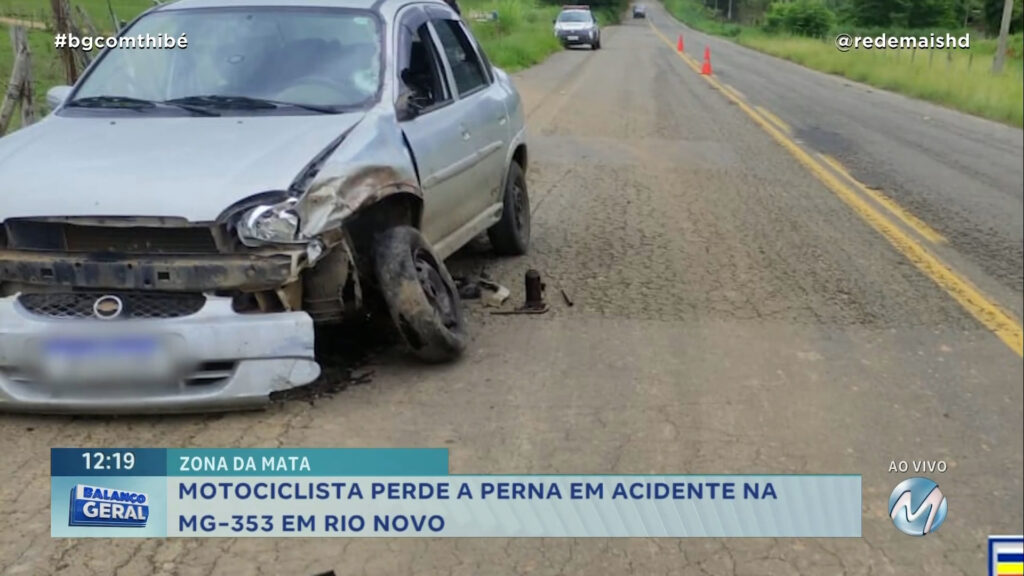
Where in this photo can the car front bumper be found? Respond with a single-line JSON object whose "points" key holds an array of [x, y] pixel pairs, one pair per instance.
{"points": [[222, 360], [572, 37]]}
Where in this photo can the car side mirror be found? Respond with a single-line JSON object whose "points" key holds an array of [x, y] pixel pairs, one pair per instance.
{"points": [[56, 96], [406, 108]]}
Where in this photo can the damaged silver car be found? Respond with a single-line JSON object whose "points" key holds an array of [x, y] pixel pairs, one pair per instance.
{"points": [[173, 232]]}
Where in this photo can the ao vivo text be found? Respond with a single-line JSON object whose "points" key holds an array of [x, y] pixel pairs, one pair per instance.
{"points": [[919, 466]]}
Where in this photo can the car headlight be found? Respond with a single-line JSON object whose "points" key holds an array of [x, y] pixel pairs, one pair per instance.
{"points": [[269, 224]]}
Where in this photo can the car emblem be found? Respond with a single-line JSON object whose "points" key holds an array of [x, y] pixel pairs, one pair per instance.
{"points": [[107, 307]]}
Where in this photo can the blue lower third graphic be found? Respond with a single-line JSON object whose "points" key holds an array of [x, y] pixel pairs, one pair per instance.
{"points": [[96, 506]]}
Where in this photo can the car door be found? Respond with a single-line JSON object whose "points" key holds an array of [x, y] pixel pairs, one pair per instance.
{"points": [[438, 134], [487, 116]]}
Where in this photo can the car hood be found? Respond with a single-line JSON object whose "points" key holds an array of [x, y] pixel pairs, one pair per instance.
{"points": [[186, 167]]}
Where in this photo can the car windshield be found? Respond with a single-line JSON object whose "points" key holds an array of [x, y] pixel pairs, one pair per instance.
{"points": [[326, 58], [574, 16]]}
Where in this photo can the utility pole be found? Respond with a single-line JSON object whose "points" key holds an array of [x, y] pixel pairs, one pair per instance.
{"points": [[1004, 31], [728, 16]]}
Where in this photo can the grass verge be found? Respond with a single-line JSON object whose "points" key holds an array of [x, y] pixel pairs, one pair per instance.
{"points": [[520, 37], [959, 79]]}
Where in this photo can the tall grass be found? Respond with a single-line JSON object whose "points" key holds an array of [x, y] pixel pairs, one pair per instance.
{"points": [[959, 79], [700, 17], [520, 37]]}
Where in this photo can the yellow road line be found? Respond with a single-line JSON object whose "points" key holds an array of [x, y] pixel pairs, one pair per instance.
{"points": [[774, 119], [985, 310], [735, 92], [906, 217]]}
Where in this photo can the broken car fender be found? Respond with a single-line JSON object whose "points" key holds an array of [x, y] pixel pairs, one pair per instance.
{"points": [[371, 164]]}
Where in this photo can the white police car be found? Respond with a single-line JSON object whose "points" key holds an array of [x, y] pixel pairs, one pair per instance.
{"points": [[576, 25]]}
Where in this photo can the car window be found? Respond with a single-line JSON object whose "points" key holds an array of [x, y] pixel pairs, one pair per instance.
{"points": [[466, 68], [316, 57], [575, 16], [488, 70], [419, 66]]}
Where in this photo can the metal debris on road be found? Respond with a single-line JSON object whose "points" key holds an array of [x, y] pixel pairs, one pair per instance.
{"points": [[481, 288], [494, 294], [565, 296]]}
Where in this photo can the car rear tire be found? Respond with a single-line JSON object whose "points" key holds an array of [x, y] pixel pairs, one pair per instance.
{"points": [[420, 294], [511, 235]]}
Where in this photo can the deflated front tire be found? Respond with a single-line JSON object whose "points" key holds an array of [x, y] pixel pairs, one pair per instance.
{"points": [[420, 295]]}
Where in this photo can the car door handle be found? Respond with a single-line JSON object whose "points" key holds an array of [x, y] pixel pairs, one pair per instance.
{"points": [[502, 119], [465, 133]]}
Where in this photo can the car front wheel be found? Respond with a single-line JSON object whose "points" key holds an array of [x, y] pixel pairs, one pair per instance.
{"points": [[420, 295]]}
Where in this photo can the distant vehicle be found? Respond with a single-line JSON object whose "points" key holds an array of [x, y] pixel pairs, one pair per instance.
{"points": [[576, 25], [639, 11]]}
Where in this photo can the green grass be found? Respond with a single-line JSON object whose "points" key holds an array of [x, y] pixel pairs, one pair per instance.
{"points": [[960, 82], [39, 10], [521, 37], [959, 79]]}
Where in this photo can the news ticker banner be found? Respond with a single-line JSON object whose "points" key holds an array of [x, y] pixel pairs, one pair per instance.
{"points": [[397, 492]]}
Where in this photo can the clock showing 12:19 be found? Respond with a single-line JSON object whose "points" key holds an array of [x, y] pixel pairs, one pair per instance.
{"points": [[109, 460]]}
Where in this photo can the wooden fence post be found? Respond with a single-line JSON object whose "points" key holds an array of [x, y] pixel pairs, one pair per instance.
{"points": [[28, 106], [63, 25], [20, 74]]}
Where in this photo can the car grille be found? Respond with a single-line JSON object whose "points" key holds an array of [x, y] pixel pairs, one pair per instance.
{"points": [[135, 305], [67, 237]]}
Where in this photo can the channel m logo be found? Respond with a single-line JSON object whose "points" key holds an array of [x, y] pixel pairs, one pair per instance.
{"points": [[917, 506]]}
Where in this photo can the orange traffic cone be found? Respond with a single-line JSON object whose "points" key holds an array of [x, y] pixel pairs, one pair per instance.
{"points": [[706, 68], [679, 44]]}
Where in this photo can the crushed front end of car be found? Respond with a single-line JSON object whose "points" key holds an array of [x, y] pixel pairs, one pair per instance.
{"points": [[124, 315], [176, 313]]}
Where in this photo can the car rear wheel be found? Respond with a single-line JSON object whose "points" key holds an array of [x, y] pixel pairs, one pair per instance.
{"points": [[511, 235], [420, 294]]}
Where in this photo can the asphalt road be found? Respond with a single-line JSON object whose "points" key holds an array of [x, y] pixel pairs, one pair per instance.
{"points": [[960, 174], [732, 313]]}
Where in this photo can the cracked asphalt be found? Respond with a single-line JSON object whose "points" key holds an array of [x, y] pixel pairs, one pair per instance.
{"points": [[731, 315]]}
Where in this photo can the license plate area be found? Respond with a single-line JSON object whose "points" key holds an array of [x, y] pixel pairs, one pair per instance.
{"points": [[101, 359], [573, 37]]}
